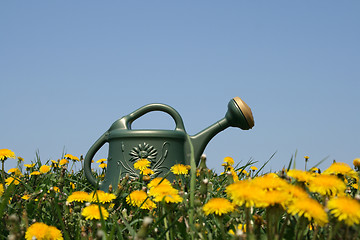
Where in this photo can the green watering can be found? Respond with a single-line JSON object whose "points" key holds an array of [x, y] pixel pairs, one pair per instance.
{"points": [[162, 148]]}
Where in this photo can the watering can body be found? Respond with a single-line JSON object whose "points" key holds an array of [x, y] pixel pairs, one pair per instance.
{"points": [[162, 148]]}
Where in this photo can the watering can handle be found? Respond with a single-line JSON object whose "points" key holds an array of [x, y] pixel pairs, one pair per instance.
{"points": [[155, 107], [89, 156]]}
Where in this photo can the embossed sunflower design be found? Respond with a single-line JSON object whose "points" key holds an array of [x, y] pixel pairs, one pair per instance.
{"points": [[143, 151]]}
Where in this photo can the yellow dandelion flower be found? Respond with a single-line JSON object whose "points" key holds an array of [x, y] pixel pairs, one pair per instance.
{"points": [[35, 173], [140, 199], [326, 185], [6, 153], [239, 227], [29, 165], [142, 164], [253, 168], [37, 231], [245, 193], [218, 206], [93, 212], [306, 157], [63, 162], [356, 162], [275, 197], [147, 171], [25, 196], [310, 209], [300, 175], [79, 196], [103, 196], [15, 171], [69, 156], [53, 233], [44, 169], [229, 160], [270, 182], [159, 180], [165, 192], [297, 192], [101, 160], [343, 169], [10, 180], [1, 189], [345, 209], [243, 171], [103, 165], [179, 169], [72, 185], [234, 176], [20, 159]]}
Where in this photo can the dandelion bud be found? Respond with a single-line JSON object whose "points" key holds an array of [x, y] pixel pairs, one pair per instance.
{"points": [[110, 188], [146, 178]]}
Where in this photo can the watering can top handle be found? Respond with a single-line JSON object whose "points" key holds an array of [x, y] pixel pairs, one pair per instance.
{"points": [[155, 107]]}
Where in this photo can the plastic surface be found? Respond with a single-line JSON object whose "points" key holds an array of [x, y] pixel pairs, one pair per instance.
{"points": [[162, 148]]}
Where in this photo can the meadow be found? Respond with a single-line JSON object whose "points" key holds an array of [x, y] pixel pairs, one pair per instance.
{"points": [[53, 200]]}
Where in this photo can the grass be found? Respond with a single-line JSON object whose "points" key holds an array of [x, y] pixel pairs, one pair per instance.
{"points": [[44, 198]]}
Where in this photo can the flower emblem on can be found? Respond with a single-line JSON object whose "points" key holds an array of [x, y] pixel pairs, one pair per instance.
{"points": [[143, 151]]}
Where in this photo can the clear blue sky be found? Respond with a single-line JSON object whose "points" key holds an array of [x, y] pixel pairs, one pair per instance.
{"points": [[69, 69]]}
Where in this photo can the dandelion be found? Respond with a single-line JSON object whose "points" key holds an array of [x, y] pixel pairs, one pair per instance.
{"points": [[101, 160], [6, 153], [326, 185], [44, 169], [140, 199], [36, 231], [20, 159], [159, 180], [310, 209], [79, 196], [297, 192], [10, 180], [345, 209], [147, 172], [228, 161], [165, 192], [34, 173], [53, 233], [244, 193], [102, 197], [240, 227], [270, 182], [103, 165], [1, 189], [63, 162], [28, 166], [25, 196], [275, 198], [15, 171], [218, 206], [253, 168], [92, 212], [342, 169], [142, 164], [300, 175], [179, 169], [69, 156], [356, 162]]}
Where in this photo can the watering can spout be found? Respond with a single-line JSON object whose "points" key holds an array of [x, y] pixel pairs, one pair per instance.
{"points": [[238, 115]]}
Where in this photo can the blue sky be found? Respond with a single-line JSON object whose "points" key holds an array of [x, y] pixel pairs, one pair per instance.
{"points": [[70, 69]]}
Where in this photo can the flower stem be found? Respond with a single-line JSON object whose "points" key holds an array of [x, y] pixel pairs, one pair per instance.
{"points": [[2, 172]]}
